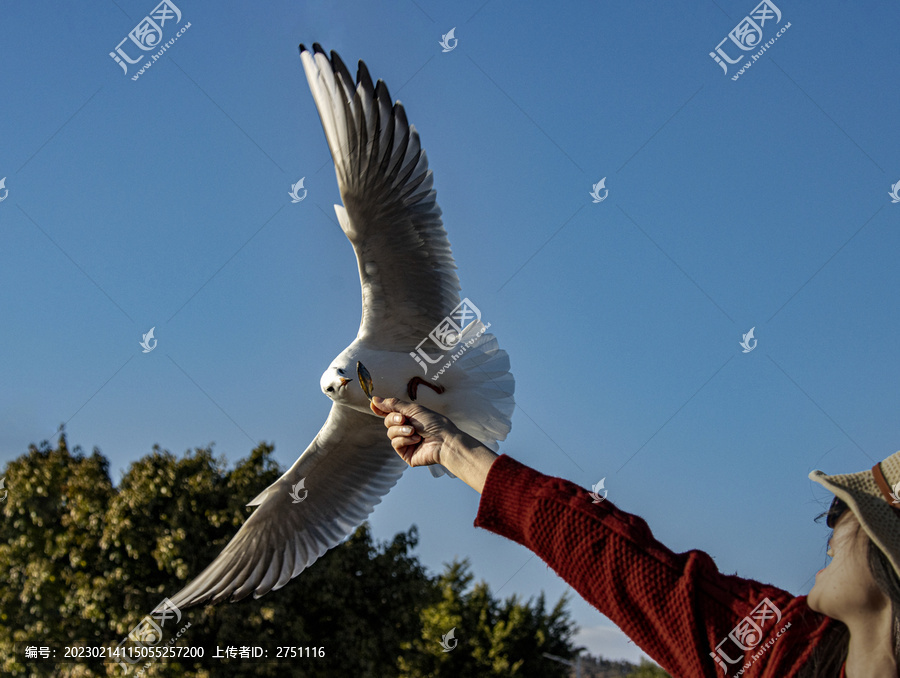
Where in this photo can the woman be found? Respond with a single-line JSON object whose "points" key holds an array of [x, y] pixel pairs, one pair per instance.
{"points": [[689, 617]]}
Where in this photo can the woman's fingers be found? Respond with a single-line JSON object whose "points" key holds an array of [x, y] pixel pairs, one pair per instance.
{"points": [[401, 431], [406, 448], [403, 438], [393, 419], [406, 424], [380, 413], [394, 405], [400, 443]]}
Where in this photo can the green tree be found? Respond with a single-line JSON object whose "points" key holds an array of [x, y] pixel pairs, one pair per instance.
{"points": [[489, 638], [82, 562], [52, 566]]}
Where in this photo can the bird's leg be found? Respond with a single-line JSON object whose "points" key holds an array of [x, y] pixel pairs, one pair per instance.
{"points": [[413, 386]]}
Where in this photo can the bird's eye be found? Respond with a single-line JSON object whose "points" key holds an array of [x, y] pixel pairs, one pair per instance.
{"points": [[340, 371], [330, 389]]}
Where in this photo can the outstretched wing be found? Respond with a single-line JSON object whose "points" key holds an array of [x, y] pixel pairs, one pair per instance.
{"points": [[348, 468], [390, 215]]}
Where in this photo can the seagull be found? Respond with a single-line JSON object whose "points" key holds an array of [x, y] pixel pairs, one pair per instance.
{"points": [[410, 296]]}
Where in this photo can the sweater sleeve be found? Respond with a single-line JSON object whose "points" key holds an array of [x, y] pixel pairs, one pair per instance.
{"points": [[677, 607]]}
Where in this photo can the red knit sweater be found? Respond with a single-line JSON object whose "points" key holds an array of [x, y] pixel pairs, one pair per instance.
{"points": [[677, 607]]}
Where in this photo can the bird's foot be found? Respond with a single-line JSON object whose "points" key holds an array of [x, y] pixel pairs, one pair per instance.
{"points": [[413, 386]]}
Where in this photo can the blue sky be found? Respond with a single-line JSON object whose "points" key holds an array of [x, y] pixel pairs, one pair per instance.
{"points": [[759, 202]]}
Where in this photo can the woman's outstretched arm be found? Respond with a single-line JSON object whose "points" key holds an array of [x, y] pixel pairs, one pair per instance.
{"points": [[689, 617]]}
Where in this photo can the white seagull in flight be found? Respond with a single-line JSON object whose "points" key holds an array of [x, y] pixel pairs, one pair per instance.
{"points": [[409, 286]]}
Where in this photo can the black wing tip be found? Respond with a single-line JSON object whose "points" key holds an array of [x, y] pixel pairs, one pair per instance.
{"points": [[362, 76], [400, 114], [340, 68], [381, 91], [337, 64]]}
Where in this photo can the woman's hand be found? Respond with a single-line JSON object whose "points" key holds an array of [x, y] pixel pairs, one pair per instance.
{"points": [[422, 437], [419, 435]]}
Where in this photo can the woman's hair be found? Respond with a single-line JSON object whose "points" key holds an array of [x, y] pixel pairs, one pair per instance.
{"points": [[829, 655], [831, 652]]}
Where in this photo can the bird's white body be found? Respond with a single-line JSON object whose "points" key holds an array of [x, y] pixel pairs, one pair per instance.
{"points": [[388, 370], [469, 382]]}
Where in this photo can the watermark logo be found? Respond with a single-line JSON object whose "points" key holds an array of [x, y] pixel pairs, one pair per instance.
{"points": [[147, 36], [3, 488], [145, 343], [895, 192], [748, 635], [447, 638], [147, 633], [595, 491], [895, 494], [747, 36], [295, 191], [4, 191], [295, 491], [445, 41], [745, 343], [448, 334], [600, 185]]}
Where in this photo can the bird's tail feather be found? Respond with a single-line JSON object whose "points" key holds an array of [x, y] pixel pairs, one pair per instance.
{"points": [[437, 471], [483, 372]]}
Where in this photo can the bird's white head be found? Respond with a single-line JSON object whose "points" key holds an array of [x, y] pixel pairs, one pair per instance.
{"points": [[335, 381], [337, 384]]}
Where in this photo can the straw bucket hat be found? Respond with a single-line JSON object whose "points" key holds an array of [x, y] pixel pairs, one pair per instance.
{"points": [[874, 498]]}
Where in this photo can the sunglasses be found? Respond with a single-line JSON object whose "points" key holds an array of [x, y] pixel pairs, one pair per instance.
{"points": [[835, 511]]}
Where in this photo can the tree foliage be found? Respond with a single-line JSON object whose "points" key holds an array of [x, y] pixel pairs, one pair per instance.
{"points": [[83, 561], [489, 637]]}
